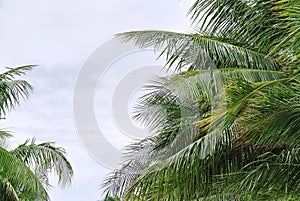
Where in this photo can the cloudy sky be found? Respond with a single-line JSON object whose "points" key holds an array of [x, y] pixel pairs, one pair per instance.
{"points": [[60, 36]]}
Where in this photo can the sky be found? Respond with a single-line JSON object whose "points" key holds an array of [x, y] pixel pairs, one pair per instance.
{"points": [[60, 36]]}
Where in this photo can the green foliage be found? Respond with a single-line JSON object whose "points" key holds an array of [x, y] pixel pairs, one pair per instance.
{"points": [[24, 170], [112, 199], [228, 127], [12, 90]]}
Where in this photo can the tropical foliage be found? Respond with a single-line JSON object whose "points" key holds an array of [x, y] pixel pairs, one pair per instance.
{"points": [[226, 126], [24, 170]]}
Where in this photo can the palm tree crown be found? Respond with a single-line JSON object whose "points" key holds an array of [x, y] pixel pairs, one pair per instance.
{"points": [[228, 127]]}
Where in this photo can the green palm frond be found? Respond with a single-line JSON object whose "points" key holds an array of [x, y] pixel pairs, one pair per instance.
{"points": [[287, 50], [7, 191], [16, 174], [4, 134], [192, 179], [11, 93], [42, 173], [45, 157], [272, 117], [197, 51], [273, 176], [24, 171], [162, 109], [108, 198], [136, 160], [228, 127], [11, 73], [267, 25], [13, 90], [253, 22]]}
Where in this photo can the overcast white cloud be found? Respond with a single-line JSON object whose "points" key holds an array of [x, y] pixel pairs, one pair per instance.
{"points": [[59, 36]]}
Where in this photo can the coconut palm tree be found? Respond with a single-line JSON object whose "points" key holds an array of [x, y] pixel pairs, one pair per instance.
{"points": [[24, 170], [227, 125]]}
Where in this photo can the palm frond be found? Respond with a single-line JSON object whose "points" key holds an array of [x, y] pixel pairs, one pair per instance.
{"points": [[272, 176], [267, 25], [287, 50], [272, 116], [252, 22], [19, 176], [4, 134], [11, 73], [7, 191], [13, 90], [228, 127], [45, 157], [11, 93], [197, 51], [136, 160]]}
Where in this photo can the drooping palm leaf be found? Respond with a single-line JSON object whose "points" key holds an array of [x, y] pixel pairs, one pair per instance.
{"points": [[45, 157]]}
